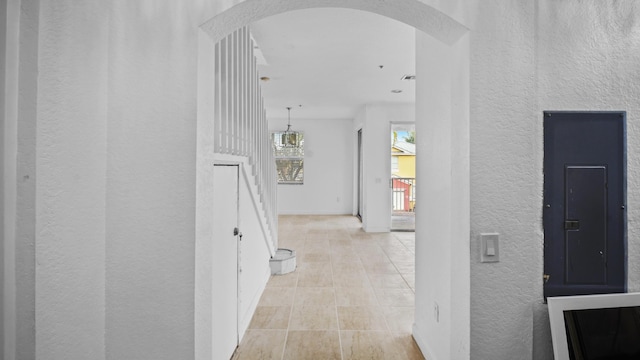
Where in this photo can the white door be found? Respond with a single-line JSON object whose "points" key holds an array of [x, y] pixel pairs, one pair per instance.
{"points": [[225, 262]]}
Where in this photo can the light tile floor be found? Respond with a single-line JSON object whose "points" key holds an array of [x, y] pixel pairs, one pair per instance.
{"points": [[351, 296]]}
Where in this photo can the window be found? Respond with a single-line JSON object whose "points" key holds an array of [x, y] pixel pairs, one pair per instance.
{"points": [[288, 149], [394, 164]]}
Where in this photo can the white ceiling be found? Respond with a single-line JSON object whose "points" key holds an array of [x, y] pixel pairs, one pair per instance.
{"points": [[327, 60]]}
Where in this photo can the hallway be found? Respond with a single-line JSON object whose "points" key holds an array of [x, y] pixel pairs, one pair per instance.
{"points": [[351, 296]]}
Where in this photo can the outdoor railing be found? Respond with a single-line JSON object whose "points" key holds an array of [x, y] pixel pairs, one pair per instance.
{"points": [[403, 194]]}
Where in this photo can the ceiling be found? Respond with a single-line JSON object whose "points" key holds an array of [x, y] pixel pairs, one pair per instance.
{"points": [[329, 61]]}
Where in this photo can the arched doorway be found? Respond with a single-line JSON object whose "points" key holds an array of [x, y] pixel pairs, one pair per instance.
{"points": [[442, 320]]}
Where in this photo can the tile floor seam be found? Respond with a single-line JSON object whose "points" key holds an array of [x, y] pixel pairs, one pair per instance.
{"points": [[335, 300], [286, 334], [384, 316]]}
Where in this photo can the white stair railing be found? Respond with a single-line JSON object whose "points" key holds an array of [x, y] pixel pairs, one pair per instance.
{"points": [[240, 123]]}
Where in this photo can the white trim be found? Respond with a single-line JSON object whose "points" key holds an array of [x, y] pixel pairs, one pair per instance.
{"points": [[320, 213]]}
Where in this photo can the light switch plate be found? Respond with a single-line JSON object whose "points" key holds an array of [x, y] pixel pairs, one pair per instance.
{"points": [[489, 247]]}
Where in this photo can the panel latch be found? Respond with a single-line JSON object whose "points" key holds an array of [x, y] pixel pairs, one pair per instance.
{"points": [[572, 224]]}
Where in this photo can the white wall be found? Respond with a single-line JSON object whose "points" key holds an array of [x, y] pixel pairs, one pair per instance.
{"points": [[328, 168], [375, 121], [107, 113], [254, 254], [151, 155], [505, 187], [442, 169], [590, 62], [71, 142], [107, 92], [3, 86], [138, 130], [548, 55], [19, 174]]}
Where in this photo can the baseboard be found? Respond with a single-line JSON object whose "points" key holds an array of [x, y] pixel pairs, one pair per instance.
{"points": [[315, 212], [419, 338]]}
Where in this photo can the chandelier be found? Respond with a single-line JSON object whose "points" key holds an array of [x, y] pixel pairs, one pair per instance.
{"points": [[290, 138]]}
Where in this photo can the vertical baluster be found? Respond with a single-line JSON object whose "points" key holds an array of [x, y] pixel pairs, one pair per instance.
{"points": [[254, 106], [260, 162], [245, 64], [229, 99], [236, 85], [241, 97], [250, 58], [216, 99], [262, 153], [236, 93], [265, 149], [251, 99], [254, 114], [240, 88], [224, 94]]}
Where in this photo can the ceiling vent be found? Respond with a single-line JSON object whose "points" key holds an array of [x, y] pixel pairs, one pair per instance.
{"points": [[408, 77]]}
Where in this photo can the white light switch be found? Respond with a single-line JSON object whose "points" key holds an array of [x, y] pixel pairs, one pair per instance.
{"points": [[489, 247]]}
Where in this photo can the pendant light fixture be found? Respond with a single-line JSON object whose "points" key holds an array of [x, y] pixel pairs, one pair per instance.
{"points": [[289, 138]]}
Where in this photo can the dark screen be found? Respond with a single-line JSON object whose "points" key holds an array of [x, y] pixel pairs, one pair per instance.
{"points": [[603, 334]]}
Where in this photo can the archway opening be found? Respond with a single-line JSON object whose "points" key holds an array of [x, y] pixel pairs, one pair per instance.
{"points": [[442, 318]]}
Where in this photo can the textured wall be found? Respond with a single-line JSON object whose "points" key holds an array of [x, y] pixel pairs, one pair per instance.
{"points": [[505, 187], [3, 70], [114, 209], [328, 168], [70, 192], [151, 179], [590, 62], [587, 59], [23, 115], [116, 96], [527, 58]]}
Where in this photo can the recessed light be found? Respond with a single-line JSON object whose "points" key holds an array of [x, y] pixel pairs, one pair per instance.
{"points": [[396, 91], [408, 77]]}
